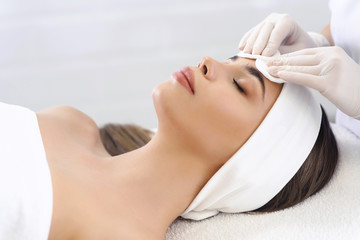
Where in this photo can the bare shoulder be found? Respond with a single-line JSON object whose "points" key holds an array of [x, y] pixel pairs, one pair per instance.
{"points": [[66, 129], [68, 114], [67, 120]]}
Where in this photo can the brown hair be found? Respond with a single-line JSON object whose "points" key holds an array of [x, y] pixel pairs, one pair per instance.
{"points": [[313, 175], [121, 138]]}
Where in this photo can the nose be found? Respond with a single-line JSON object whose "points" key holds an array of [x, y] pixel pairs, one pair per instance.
{"points": [[208, 67]]}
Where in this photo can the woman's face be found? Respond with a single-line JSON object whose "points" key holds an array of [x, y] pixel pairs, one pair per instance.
{"points": [[215, 107]]}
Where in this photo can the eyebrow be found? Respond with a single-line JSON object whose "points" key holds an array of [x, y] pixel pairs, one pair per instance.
{"points": [[253, 71], [233, 58]]}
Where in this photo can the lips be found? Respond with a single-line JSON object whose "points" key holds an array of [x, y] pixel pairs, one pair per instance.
{"points": [[186, 78]]}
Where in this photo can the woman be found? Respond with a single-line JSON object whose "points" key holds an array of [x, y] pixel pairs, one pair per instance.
{"points": [[205, 115], [327, 62]]}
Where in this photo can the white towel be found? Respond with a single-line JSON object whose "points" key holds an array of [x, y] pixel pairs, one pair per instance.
{"points": [[25, 181], [331, 214]]}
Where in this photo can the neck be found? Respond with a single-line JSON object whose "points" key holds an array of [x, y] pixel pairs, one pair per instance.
{"points": [[161, 179]]}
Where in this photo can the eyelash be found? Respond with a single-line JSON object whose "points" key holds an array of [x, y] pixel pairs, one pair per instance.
{"points": [[238, 86]]}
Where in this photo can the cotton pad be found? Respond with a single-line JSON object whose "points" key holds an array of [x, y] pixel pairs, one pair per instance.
{"points": [[260, 64]]}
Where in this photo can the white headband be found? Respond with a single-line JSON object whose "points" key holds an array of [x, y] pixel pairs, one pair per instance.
{"points": [[267, 161]]}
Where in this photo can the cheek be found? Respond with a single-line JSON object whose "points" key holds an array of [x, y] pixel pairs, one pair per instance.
{"points": [[225, 121], [216, 121], [229, 118]]}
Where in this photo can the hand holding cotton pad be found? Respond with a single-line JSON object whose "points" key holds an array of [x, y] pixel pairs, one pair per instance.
{"points": [[260, 64]]}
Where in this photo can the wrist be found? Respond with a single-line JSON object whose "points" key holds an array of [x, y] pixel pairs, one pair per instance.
{"points": [[319, 39]]}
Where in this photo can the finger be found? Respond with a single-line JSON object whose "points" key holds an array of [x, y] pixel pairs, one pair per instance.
{"points": [[301, 60], [263, 38], [306, 51], [279, 33], [304, 79], [313, 70], [252, 38], [244, 39]]}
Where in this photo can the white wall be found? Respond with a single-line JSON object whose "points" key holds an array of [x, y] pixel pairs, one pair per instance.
{"points": [[105, 56]]}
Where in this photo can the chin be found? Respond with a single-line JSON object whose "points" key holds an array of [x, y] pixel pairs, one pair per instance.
{"points": [[169, 105], [163, 102], [159, 96]]}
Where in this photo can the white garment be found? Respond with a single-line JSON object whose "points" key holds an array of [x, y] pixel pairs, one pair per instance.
{"points": [[345, 17], [25, 181]]}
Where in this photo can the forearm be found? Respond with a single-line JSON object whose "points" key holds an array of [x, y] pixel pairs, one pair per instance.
{"points": [[327, 33]]}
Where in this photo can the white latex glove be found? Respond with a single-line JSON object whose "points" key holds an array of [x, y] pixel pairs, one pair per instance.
{"points": [[276, 32], [328, 69]]}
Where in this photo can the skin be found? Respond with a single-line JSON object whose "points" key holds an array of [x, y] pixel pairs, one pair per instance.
{"points": [[137, 195], [327, 33]]}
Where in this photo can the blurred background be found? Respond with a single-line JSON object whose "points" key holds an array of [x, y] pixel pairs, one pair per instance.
{"points": [[104, 57]]}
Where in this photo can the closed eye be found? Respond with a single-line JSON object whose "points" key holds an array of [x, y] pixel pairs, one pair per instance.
{"points": [[239, 87]]}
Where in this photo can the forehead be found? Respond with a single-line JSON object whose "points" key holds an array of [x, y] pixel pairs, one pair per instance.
{"points": [[240, 61]]}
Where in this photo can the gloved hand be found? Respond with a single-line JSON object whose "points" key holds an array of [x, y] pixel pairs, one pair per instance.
{"points": [[328, 69], [276, 32]]}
